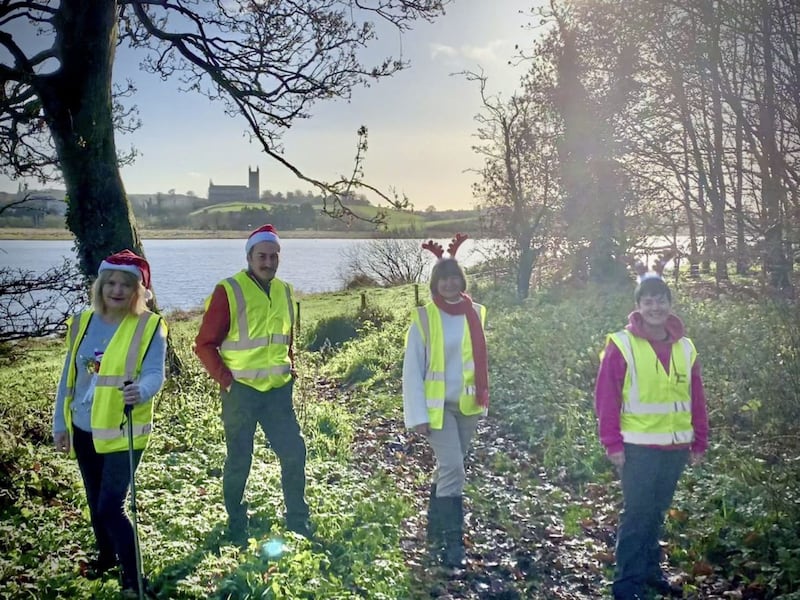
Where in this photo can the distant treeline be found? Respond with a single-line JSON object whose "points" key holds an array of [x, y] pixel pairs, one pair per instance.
{"points": [[287, 211]]}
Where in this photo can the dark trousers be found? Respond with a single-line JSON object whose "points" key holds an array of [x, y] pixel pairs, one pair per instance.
{"points": [[106, 478], [649, 478], [243, 408]]}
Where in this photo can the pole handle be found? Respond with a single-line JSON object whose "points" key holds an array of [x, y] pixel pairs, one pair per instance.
{"points": [[128, 407]]}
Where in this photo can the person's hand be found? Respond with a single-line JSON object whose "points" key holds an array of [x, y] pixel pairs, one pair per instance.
{"points": [[422, 429], [131, 394], [617, 459], [61, 441], [697, 458]]}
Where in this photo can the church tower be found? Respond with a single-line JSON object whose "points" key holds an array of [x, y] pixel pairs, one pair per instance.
{"points": [[253, 183]]}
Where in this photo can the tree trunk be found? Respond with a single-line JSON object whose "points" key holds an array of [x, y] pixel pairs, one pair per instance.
{"points": [[716, 189], [527, 259], [771, 176], [78, 108]]}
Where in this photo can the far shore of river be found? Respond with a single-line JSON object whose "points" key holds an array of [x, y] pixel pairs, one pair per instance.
{"points": [[36, 233]]}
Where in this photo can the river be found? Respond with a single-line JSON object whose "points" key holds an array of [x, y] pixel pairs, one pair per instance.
{"points": [[185, 271]]}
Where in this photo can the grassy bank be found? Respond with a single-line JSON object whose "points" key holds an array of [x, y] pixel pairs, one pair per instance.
{"points": [[541, 500]]}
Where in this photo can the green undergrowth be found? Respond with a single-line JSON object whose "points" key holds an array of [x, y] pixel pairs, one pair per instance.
{"points": [[738, 512]]}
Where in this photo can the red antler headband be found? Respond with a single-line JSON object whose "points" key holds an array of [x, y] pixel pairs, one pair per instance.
{"points": [[437, 250], [456, 243]]}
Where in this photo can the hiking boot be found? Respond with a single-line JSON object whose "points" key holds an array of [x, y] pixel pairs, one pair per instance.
{"points": [[237, 530], [452, 519], [663, 587], [97, 568], [300, 525], [433, 528], [130, 591]]}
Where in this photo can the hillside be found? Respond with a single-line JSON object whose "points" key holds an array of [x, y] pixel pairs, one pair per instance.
{"points": [[294, 211]]}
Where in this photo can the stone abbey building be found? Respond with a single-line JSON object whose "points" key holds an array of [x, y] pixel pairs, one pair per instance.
{"points": [[236, 193]]}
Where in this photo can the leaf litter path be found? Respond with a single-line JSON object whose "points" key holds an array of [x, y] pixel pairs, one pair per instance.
{"points": [[517, 546], [529, 535]]}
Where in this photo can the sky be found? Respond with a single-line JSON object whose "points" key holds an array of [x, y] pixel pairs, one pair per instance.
{"points": [[421, 121]]}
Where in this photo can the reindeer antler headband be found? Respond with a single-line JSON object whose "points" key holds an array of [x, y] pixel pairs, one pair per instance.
{"points": [[658, 268], [437, 250]]}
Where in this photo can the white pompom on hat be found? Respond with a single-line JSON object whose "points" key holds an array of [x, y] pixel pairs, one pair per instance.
{"points": [[130, 263], [265, 233]]}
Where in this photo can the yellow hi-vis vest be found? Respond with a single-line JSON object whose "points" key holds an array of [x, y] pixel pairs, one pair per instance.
{"points": [[428, 320], [256, 349], [656, 405], [122, 361]]}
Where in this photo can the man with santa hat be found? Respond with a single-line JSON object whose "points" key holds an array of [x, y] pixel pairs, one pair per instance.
{"points": [[245, 344]]}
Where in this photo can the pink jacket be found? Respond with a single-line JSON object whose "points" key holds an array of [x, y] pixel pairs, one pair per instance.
{"points": [[611, 377]]}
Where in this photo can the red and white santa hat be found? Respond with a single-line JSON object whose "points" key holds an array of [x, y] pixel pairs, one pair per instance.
{"points": [[265, 233], [130, 263]]}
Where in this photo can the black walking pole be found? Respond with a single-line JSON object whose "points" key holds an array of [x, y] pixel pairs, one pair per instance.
{"points": [[131, 462]]}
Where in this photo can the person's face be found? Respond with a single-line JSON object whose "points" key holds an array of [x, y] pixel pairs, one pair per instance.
{"points": [[263, 260], [118, 292], [654, 310], [449, 287]]}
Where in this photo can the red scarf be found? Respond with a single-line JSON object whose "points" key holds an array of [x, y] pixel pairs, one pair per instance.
{"points": [[479, 354]]}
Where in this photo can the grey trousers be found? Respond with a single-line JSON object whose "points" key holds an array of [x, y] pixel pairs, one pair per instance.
{"points": [[450, 446]]}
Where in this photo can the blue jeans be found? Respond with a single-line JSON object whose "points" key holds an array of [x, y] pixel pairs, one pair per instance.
{"points": [[243, 408], [649, 478], [106, 478]]}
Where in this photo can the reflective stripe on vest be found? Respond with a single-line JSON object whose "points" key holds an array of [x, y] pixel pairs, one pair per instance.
{"points": [[640, 419], [256, 349], [429, 322], [76, 327], [121, 431]]}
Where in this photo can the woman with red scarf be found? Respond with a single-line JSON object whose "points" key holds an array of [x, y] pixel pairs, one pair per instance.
{"points": [[446, 391]]}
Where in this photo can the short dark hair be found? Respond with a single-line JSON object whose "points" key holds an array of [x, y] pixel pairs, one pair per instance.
{"points": [[447, 267], [652, 286]]}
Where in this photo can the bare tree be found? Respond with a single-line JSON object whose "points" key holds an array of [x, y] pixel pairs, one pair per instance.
{"points": [[518, 189], [267, 62], [386, 261], [36, 305]]}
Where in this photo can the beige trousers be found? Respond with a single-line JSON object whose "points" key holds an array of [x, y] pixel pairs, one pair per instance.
{"points": [[450, 446]]}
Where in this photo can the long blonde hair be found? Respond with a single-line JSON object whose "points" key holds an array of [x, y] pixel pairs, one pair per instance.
{"points": [[138, 302]]}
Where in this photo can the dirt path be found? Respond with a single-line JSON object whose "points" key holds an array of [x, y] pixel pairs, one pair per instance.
{"points": [[517, 546]]}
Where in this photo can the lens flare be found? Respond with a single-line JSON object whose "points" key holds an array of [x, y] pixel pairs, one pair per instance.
{"points": [[273, 549]]}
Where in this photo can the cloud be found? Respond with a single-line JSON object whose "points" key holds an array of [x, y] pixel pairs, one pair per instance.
{"points": [[493, 52], [438, 50]]}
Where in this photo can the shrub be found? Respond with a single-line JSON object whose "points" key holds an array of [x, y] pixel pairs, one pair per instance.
{"points": [[332, 332], [359, 280]]}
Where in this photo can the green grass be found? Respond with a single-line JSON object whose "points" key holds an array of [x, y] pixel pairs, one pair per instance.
{"points": [[230, 207], [741, 508]]}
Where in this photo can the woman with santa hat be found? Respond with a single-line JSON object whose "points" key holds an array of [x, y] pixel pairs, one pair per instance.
{"points": [[115, 357]]}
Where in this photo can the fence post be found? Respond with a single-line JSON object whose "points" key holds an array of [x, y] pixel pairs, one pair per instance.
{"points": [[297, 321], [416, 294], [363, 300]]}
